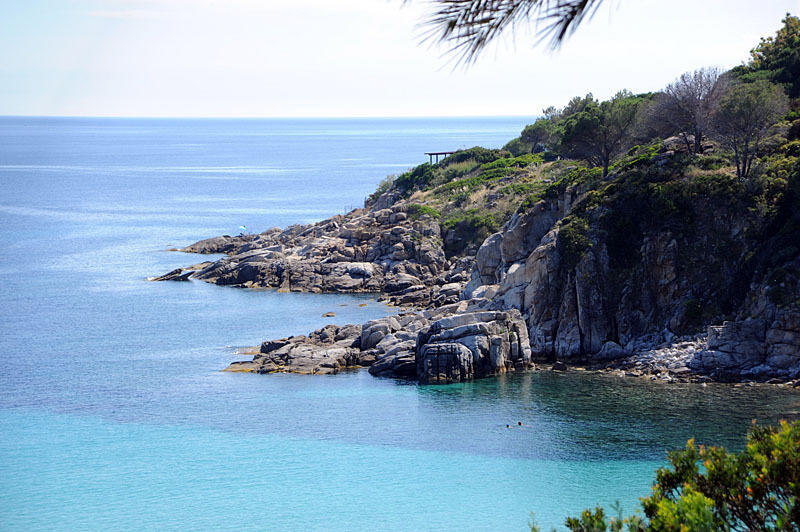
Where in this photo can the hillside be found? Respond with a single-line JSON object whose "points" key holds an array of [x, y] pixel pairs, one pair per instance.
{"points": [[659, 232]]}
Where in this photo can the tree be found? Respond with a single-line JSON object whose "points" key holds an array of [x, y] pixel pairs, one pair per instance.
{"points": [[469, 25], [744, 116], [601, 131], [709, 489], [687, 104], [778, 58], [552, 113], [541, 135], [576, 105]]}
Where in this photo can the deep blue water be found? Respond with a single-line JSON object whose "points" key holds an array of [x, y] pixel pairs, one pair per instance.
{"points": [[114, 412]]}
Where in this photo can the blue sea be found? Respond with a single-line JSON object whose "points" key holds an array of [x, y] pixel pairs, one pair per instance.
{"points": [[114, 412]]}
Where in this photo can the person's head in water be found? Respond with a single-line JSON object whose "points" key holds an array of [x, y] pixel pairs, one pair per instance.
{"points": [[508, 426], [519, 423]]}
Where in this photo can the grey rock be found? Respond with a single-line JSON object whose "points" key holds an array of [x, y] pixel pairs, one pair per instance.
{"points": [[472, 345], [177, 274], [444, 363]]}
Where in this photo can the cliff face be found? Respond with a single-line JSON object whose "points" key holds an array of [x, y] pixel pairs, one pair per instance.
{"points": [[617, 267]]}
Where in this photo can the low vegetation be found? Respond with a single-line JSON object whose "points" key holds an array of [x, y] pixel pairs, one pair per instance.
{"points": [[711, 489]]}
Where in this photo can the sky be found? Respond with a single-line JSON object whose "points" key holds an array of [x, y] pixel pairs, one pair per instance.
{"points": [[343, 58]]}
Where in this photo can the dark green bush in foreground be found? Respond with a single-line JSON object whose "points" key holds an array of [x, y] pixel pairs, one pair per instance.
{"points": [[709, 489]]}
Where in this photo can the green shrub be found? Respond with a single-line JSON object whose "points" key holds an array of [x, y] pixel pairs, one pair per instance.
{"points": [[470, 228], [575, 176], [638, 156], [416, 178], [415, 211], [573, 241], [472, 183], [459, 169], [383, 187], [712, 162], [528, 202], [709, 488], [792, 149], [514, 162], [517, 147], [595, 521], [536, 187], [478, 154], [551, 191]]}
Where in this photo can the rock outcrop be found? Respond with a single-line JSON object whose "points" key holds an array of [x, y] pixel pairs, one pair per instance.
{"points": [[221, 244], [325, 351], [178, 274], [454, 343], [367, 250], [600, 279], [753, 348], [472, 345]]}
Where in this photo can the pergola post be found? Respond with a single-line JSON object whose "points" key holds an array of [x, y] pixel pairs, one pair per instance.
{"points": [[437, 154]]}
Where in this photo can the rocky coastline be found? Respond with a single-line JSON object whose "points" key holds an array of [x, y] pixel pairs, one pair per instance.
{"points": [[563, 283]]}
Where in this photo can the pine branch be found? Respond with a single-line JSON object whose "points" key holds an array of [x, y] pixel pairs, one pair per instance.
{"points": [[468, 26]]}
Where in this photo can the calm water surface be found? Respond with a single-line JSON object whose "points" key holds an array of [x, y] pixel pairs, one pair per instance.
{"points": [[113, 409]]}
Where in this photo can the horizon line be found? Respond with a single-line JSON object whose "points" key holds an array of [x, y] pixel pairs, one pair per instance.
{"points": [[278, 117]]}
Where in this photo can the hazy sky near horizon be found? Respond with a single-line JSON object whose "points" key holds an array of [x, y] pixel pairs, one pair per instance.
{"points": [[268, 58]]}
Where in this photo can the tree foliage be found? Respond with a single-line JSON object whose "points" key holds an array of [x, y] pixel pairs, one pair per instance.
{"points": [[601, 131], [744, 116], [542, 135], [576, 105], [778, 58], [467, 26], [709, 489], [687, 105]]}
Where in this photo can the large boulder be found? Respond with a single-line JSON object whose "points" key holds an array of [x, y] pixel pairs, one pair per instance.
{"points": [[472, 345], [444, 363], [525, 230]]}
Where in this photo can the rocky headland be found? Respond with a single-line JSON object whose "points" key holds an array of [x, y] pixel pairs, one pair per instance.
{"points": [[376, 250], [657, 270]]}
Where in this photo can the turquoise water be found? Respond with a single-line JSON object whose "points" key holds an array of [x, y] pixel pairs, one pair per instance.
{"points": [[114, 412]]}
